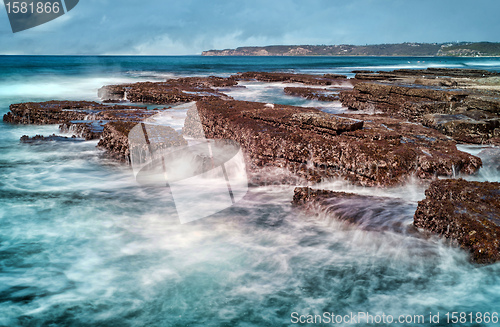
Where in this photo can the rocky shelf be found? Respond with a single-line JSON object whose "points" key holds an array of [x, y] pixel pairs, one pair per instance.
{"points": [[370, 150], [464, 104], [467, 213], [404, 124], [313, 93]]}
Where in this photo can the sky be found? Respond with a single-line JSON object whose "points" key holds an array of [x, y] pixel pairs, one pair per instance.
{"points": [[166, 27]]}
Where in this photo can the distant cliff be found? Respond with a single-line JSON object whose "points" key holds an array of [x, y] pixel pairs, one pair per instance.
{"points": [[462, 49]]}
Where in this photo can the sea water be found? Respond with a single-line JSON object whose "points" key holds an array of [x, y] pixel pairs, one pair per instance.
{"points": [[82, 243]]}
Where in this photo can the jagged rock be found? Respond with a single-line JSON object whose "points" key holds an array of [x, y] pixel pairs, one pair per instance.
{"points": [[467, 212], [115, 139], [51, 112], [316, 121], [196, 88], [362, 71], [368, 150], [446, 72]]}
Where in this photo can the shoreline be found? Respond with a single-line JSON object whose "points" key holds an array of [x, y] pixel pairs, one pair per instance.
{"points": [[257, 56]]}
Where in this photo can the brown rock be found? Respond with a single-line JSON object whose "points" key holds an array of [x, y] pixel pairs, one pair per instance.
{"points": [[335, 76], [87, 131], [115, 139], [51, 112], [83, 119], [467, 212], [171, 91], [464, 128], [369, 150], [313, 93], [57, 112], [327, 79], [464, 115], [40, 138]]}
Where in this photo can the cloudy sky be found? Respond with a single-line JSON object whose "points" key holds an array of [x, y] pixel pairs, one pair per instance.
{"points": [[167, 27]]}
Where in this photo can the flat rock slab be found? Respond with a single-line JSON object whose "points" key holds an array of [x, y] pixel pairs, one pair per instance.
{"points": [[467, 212], [431, 72], [171, 91], [38, 139], [365, 149], [327, 79], [56, 112], [425, 96], [310, 93], [115, 140], [85, 119]]}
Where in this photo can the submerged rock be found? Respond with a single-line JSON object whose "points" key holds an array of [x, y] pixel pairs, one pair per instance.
{"points": [[40, 138], [365, 149], [367, 212], [467, 212]]}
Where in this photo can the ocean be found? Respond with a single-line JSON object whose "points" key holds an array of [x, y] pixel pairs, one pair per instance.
{"points": [[83, 244]]}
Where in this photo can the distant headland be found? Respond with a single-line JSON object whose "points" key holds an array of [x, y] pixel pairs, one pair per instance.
{"points": [[456, 49]]}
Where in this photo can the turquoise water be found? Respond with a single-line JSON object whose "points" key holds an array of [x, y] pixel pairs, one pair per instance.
{"points": [[82, 244]]}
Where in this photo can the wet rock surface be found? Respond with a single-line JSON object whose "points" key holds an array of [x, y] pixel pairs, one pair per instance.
{"points": [[464, 104], [171, 91], [365, 149], [197, 88], [115, 139], [327, 79], [313, 93], [432, 72], [51, 112], [83, 119], [41, 139], [466, 212], [367, 212]]}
